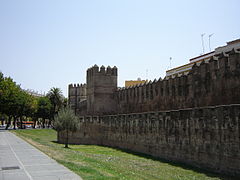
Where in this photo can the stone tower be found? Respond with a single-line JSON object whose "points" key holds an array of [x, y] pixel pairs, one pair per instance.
{"points": [[76, 94], [101, 85]]}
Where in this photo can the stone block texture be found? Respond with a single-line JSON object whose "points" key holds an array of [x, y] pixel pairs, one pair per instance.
{"points": [[194, 118], [202, 137]]}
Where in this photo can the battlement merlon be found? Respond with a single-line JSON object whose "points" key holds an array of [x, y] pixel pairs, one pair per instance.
{"points": [[83, 85], [95, 70], [77, 85], [72, 85], [222, 60]]}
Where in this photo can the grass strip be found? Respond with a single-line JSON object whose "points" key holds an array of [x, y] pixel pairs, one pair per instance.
{"points": [[98, 162]]}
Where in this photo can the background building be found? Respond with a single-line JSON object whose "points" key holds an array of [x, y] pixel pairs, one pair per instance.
{"points": [[184, 69], [129, 83]]}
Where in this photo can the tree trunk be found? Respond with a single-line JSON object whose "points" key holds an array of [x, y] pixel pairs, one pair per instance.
{"points": [[66, 142], [14, 122], [21, 124], [34, 122], [8, 122], [2, 120], [49, 122], [43, 124]]}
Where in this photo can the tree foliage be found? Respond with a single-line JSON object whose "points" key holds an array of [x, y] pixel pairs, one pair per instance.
{"points": [[9, 93], [56, 97], [17, 103], [66, 121], [43, 109]]}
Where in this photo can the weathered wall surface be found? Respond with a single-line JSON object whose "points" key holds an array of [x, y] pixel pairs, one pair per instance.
{"points": [[101, 86], [214, 83], [77, 93], [204, 137]]}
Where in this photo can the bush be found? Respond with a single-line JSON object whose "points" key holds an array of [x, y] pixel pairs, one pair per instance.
{"points": [[66, 121]]}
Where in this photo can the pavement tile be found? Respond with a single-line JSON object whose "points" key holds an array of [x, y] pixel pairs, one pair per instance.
{"points": [[34, 165], [15, 176]]}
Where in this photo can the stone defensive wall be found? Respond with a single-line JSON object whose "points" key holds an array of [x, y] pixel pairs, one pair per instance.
{"points": [[192, 119], [76, 95], [95, 70], [216, 82], [101, 85], [207, 137], [76, 85], [77, 90]]}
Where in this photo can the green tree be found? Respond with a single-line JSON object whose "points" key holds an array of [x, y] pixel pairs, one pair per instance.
{"points": [[9, 93], [15, 102], [65, 102], [1, 76], [3, 118], [43, 109], [57, 100], [22, 107], [66, 121], [34, 107], [56, 97]]}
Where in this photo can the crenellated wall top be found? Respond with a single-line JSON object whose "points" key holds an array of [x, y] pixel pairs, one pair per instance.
{"points": [[95, 70]]}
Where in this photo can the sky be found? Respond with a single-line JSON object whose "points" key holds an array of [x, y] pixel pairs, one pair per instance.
{"points": [[51, 43]]}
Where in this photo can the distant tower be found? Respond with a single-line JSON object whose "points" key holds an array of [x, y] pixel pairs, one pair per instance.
{"points": [[101, 85], [76, 94]]}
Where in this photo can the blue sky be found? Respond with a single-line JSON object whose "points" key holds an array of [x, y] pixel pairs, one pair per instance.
{"points": [[51, 43]]}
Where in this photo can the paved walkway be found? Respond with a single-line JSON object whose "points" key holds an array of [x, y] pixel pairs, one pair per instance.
{"points": [[21, 161]]}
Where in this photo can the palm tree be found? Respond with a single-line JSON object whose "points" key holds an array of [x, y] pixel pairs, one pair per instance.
{"points": [[56, 97]]}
